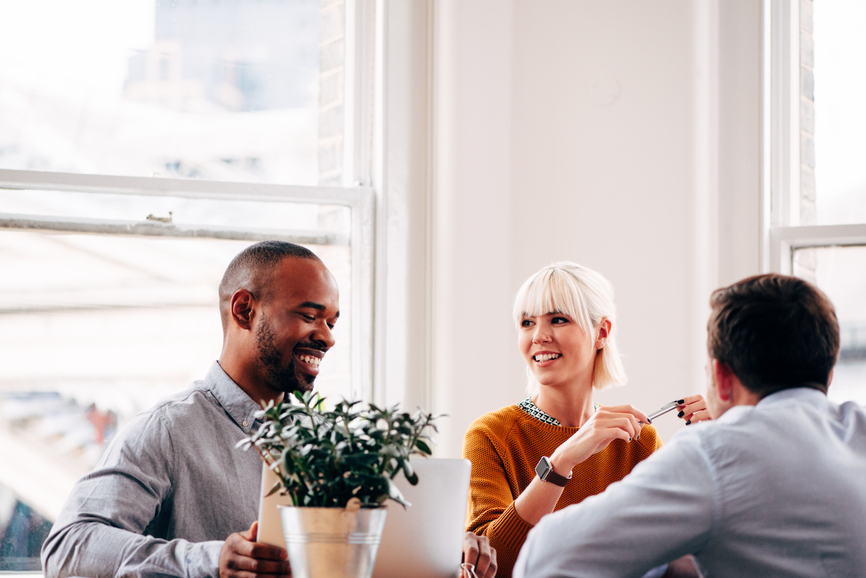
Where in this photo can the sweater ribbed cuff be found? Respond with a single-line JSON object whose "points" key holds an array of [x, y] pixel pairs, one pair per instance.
{"points": [[509, 531]]}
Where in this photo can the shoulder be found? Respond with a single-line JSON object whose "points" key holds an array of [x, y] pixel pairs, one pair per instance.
{"points": [[649, 439], [183, 401], [170, 412], [687, 449], [787, 424], [492, 429], [180, 406], [496, 423]]}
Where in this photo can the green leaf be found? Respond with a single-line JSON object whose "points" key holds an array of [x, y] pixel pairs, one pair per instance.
{"points": [[274, 489], [411, 476], [324, 458], [395, 494]]}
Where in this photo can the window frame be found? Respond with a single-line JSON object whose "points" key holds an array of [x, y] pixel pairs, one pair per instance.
{"points": [[782, 232], [785, 240]]}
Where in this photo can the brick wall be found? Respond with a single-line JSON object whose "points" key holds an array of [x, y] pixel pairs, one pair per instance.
{"points": [[805, 260], [332, 58]]}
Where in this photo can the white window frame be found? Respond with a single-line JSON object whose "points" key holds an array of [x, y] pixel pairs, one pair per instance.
{"points": [[782, 232]]}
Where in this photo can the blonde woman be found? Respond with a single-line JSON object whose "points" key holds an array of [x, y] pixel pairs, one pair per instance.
{"points": [[556, 447]]}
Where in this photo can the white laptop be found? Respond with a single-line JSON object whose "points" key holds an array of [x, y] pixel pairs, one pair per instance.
{"points": [[270, 525], [423, 541], [426, 540]]}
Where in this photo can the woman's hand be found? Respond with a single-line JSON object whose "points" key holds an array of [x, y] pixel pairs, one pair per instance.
{"points": [[607, 424], [621, 422], [478, 554], [693, 409]]}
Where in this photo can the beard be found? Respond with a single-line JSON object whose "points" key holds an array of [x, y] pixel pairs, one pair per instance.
{"points": [[280, 374]]}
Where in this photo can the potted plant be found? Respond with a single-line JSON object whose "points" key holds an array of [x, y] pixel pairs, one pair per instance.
{"points": [[337, 468]]}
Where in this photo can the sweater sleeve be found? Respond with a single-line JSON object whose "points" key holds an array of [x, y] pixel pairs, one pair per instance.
{"points": [[491, 510]]}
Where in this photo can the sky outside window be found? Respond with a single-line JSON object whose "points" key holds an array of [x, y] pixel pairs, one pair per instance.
{"points": [[840, 117]]}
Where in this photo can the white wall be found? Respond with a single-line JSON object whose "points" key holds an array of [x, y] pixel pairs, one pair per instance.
{"points": [[474, 357], [590, 131]]}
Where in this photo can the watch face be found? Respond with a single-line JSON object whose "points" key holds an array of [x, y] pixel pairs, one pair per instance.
{"points": [[542, 468]]}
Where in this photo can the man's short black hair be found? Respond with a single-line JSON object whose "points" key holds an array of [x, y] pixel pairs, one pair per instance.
{"points": [[775, 332], [253, 268]]}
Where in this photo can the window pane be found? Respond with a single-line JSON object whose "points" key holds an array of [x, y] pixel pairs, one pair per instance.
{"points": [[222, 90], [841, 273], [95, 329], [840, 117]]}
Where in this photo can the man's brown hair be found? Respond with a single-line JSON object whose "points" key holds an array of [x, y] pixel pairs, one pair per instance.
{"points": [[775, 332]]}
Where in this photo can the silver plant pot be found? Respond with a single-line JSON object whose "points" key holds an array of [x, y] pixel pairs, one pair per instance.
{"points": [[332, 542]]}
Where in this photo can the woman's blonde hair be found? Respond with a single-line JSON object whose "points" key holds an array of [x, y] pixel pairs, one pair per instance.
{"points": [[585, 296]]}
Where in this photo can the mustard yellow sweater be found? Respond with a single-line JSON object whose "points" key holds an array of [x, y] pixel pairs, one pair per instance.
{"points": [[504, 446]]}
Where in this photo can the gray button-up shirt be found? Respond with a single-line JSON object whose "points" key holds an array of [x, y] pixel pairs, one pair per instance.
{"points": [[169, 489]]}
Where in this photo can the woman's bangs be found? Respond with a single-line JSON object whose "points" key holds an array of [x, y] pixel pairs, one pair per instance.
{"points": [[554, 293]]}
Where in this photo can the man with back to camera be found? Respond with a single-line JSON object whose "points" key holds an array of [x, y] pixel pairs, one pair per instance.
{"points": [[172, 495], [774, 486]]}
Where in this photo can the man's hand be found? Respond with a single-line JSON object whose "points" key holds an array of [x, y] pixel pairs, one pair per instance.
{"points": [[241, 557], [477, 551]]}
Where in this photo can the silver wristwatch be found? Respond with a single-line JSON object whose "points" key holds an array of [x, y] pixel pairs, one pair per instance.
{"points": [[545, 472]]}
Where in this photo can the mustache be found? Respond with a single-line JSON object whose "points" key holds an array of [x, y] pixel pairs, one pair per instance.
{"points": [[317, 345]]}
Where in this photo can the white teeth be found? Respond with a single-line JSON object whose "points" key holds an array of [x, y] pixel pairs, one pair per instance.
{"points": [[310, 360], [546, 356]]}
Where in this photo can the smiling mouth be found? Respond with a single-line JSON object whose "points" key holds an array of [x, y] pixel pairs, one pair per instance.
{"points": [[542, 357], [310, 360]]}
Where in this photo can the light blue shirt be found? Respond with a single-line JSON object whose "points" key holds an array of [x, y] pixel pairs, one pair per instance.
{"points": [[777, 489], [169, 489]]}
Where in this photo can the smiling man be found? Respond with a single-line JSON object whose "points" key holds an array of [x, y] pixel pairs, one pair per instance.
{"points": [[172, 496], [773, 486], [277, 319]]}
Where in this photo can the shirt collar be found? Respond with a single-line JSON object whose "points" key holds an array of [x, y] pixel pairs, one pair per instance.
{"points": [[805, 395], [799, 394], [234, 400]]}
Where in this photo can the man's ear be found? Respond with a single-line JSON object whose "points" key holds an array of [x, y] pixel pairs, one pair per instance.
{"points": [[724, 380], [242, 308]]}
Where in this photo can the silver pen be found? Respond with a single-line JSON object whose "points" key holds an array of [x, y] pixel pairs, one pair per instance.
{"points": [[664, 409]]}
